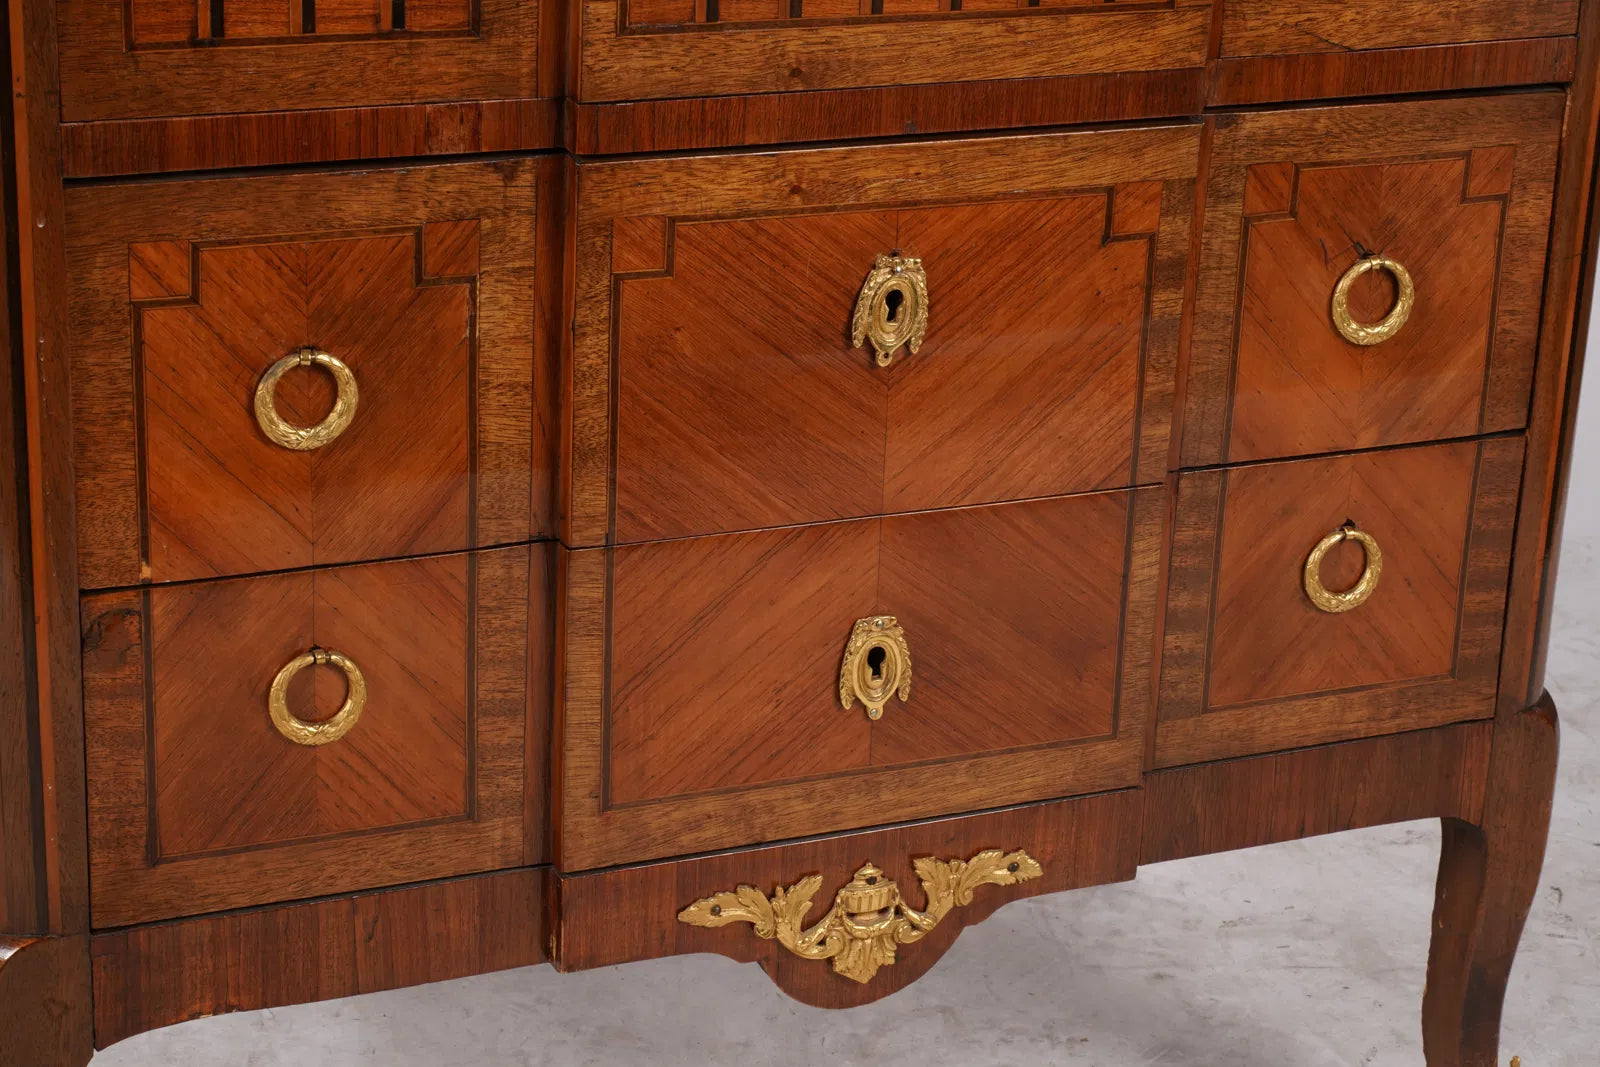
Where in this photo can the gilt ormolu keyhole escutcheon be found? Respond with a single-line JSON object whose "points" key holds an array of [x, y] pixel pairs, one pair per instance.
{"points": [[877, 665], [892, 308]]}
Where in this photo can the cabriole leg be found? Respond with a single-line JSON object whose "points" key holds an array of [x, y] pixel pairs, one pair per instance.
{"points": [[1488, 875]]}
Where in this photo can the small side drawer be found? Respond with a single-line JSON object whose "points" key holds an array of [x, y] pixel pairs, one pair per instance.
{"points": [[401, 758], [409, 297], [1272, 27], [1326, 599], [1370, 276], [727, 374], [741, 688]]}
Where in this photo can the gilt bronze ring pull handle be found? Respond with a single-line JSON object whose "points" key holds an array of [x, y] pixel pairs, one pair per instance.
{"points": [[327, 731], [1375, 333], [892, 309], [1324, 598], [306, 438]]}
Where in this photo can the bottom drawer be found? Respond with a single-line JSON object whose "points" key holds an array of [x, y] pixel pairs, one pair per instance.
{"points": [[1326, 599], [718, 690], [874, 910], [294, 735]]}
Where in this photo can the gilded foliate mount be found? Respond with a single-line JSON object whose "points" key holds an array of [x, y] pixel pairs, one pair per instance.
{"points": [[869, 919]]}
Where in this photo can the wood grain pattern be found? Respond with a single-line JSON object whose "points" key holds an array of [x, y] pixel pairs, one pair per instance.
{"points": [[152, 976], [1264, 344], [1563, 334], [617, 65], [103, 79], [224, 780], [1269, 642], [197, 804], [1260, 27], [1262, 800], [111, 147], [1236, 82], [1045, 370], [21, 846], [1488, 876], [725, 661], [1083, 842], [790, 200], [44, 1001], [443, 448], [1251, 666], [176, 22], [219, 496], [879, 111], [716, 728], [31, 139], [660, 14]]}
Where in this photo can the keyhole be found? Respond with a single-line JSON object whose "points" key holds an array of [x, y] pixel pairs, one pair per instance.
{"points": [[875, 658], [892, 301]]}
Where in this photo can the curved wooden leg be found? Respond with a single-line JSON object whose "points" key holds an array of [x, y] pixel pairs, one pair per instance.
{"points": [[44, 1002], [1488, 875]]}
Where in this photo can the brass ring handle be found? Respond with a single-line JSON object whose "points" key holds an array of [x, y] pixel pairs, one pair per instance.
{"points": [[306, 438], [892, 308], [877, 665], [1335, 603], [327, 731], [1359, 333]]}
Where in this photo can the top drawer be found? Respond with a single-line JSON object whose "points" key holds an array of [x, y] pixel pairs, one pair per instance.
{"points": [[153, 58], [654, 49], [1272, 27]]}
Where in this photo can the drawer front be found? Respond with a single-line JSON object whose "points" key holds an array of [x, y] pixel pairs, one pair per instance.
{"points": [[720, 381], [1287, 627], [1055, 846], [1305, 206], [149, 58], [707, 703], [216, 782], [1271, 27], [652, 49], [418, 288]]}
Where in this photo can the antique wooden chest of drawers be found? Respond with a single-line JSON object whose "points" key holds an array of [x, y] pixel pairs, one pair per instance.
{"points": [[813, 471]]}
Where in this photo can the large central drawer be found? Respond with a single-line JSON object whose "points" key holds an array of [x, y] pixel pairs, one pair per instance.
{"points": [[726, 374], [710, 697]]}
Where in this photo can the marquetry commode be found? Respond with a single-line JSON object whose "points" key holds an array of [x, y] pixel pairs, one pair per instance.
{"points": [[492, 481]]}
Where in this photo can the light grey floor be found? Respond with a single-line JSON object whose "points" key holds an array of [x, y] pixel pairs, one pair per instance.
{"points": [[1302, 955]]}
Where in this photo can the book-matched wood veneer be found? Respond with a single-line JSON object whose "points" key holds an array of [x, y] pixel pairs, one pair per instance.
{"points": [[423, 281], [701, 700], [197, 803], [1457, 191], [713, 385], [1252, 665], [709, 579]]}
